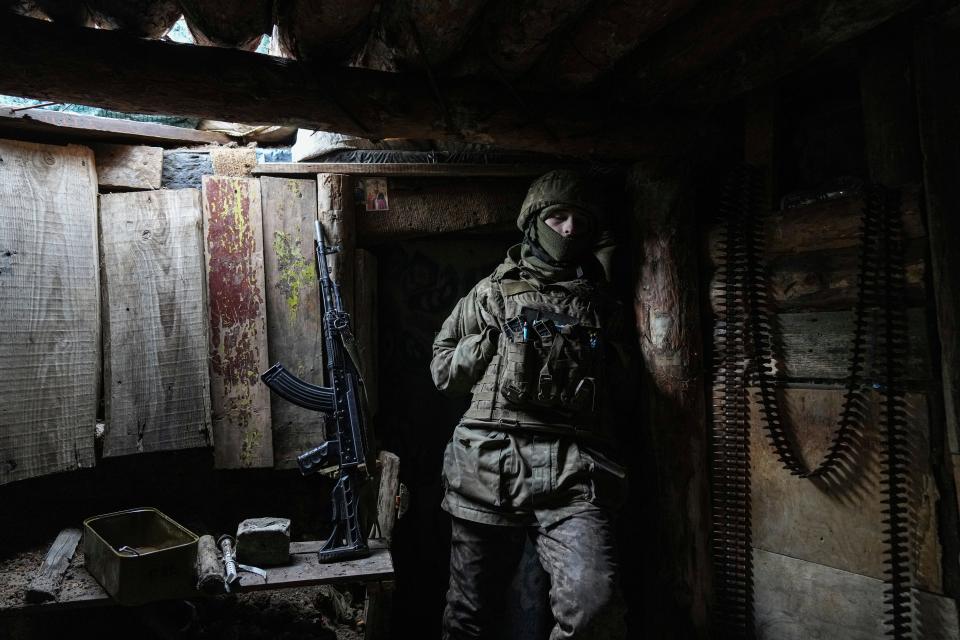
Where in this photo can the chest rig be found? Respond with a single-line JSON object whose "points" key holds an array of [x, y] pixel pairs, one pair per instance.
{"points": [[548, 372]]}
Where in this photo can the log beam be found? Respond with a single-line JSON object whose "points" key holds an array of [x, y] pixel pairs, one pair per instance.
{"points": [[666, 304], [81, 65]]}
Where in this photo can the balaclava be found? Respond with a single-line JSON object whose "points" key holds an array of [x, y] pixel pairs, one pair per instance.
{"points": [[560, 248], [543, 248]]}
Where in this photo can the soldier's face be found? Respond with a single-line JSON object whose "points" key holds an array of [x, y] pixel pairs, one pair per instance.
{"points": [[568, 222]]}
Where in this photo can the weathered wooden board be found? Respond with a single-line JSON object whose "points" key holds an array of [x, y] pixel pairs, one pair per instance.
{"points": [[59, 125], [80, 589], [424, 207], [121, 166], [833, 224], [839, 523], [233, 232], [157, 394], [817, 346], [388, 493], [50, 297], [409, 169], [45, 585], [294, 318], [827, 280], [365, 323], [799, 600]]}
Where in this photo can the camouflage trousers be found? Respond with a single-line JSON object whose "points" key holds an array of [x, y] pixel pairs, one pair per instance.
{"points": [[577, 553]]}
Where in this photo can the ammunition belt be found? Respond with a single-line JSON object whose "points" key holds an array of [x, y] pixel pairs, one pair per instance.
{"points": [[746, 353]]}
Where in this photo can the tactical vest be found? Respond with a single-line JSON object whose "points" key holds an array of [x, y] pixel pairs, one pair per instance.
{"points": [[548, 372]]}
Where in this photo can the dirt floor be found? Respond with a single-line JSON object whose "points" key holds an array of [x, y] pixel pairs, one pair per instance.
{"points": [[316, 613]]}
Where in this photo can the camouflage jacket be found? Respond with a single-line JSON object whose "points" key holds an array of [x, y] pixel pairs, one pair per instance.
{"points": [[496, 471]]}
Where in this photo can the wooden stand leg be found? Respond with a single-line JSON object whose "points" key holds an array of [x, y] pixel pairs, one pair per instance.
{"points": [[376, 611]]}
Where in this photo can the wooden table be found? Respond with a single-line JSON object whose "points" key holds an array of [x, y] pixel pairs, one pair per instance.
{"points": [[305, 569]]}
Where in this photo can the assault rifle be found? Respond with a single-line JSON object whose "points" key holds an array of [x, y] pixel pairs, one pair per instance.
{"points": [[340, 402]]}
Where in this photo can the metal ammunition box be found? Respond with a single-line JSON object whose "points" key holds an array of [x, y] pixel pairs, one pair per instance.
{"points": [[140, 555]]}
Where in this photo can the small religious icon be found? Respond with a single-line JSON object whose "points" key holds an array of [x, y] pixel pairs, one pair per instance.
{"points": [[375, 194]]}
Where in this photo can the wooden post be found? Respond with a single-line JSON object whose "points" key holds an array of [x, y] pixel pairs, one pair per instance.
{"points": [[335, 211], [376, 611], [938, 92], [666, 305]]}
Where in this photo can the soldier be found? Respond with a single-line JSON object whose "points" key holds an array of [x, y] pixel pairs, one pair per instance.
{"points": [[536, 345]]}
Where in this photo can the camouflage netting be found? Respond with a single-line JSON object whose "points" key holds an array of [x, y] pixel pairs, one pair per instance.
{"points": [[13, 101]]}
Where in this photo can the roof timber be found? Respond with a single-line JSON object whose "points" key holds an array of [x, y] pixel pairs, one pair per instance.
{"points": [[115, 71]]}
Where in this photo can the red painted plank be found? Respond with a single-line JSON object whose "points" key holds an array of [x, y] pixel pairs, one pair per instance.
{"points": [[238, 336]]}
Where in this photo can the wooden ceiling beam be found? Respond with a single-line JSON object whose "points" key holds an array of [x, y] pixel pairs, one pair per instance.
{"points": [[115, 71]]}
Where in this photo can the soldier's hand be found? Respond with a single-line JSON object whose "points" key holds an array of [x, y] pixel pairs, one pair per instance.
{"points": [[490, 341]]}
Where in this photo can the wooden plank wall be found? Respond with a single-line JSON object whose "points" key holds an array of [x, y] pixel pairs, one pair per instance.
{"points": [[802, 600], [815, 539], [182, 268], [50, 334], [294, 321], [155, 322], [123, 167], [233, 233], [839, 524]]}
